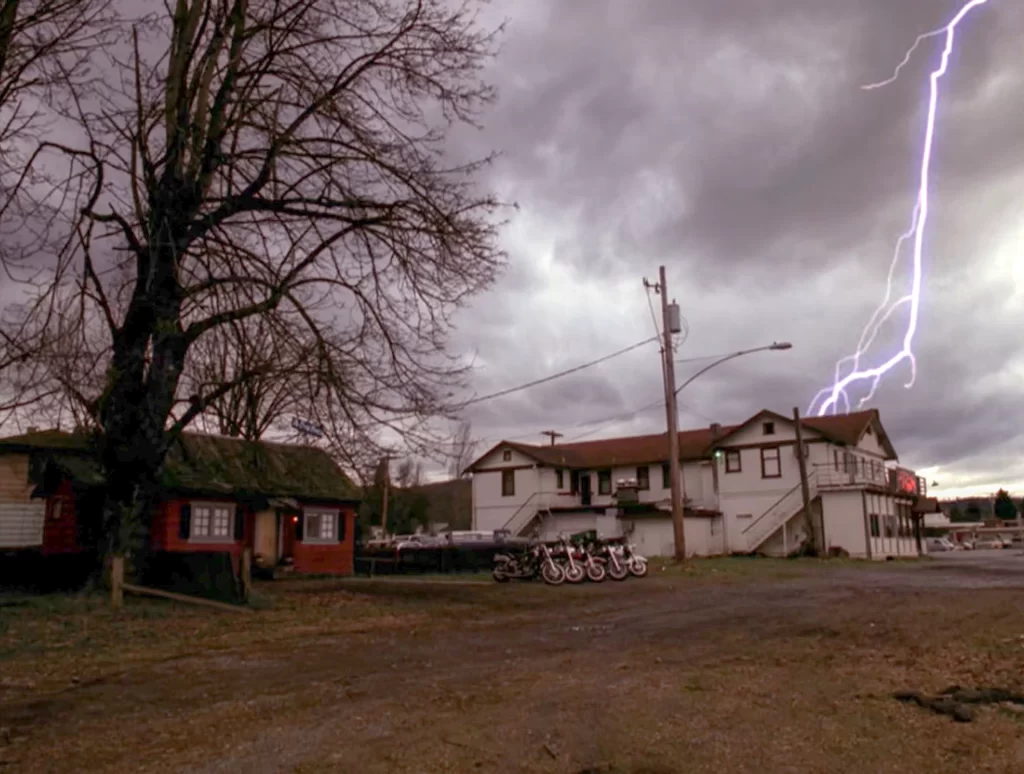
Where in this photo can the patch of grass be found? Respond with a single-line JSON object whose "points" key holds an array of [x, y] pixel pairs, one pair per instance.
{"points": [[735, 568]]}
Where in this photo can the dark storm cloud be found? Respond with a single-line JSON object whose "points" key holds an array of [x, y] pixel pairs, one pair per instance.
{"points": [[729, 139]]}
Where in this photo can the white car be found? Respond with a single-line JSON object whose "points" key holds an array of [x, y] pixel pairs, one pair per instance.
{"points": [[989, 544], [939, 544]]}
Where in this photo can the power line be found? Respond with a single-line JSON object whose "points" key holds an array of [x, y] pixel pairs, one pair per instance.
{"points": [[552, 377]]}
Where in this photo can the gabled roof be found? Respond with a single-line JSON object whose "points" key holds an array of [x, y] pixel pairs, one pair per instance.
{"points": [[845, 429], [208, 464], [613, 452]]}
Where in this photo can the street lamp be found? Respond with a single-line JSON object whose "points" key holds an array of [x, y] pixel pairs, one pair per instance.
{"points": [[775, 345], [678, 490]]}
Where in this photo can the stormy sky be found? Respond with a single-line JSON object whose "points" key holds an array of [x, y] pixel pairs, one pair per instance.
{"points": [[730, 141]]}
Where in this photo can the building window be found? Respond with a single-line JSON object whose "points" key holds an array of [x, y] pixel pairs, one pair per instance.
{"points": [[508, 483], [768, 428], [732, 461], [771, 462], [506, 456], [875, 531], [643, 477], [666, 476], [559, 479], [604, 482], [574, 482], [890, 526], [321, 526], [211, 522]]}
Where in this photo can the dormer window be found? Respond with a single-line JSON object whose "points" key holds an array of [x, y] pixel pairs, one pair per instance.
{"points": [[768, 428], [506, 456]]}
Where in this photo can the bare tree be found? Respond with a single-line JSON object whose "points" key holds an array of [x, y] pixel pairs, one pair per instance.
{"points": [[254, 405], [43, 45], [463, 450], [283, 162], [409, 473]]}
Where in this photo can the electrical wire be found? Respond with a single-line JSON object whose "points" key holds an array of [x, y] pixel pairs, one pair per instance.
{"points": [[552, 377]]}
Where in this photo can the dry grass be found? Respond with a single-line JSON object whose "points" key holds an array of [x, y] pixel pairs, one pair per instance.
{"points": [[724, 665]]}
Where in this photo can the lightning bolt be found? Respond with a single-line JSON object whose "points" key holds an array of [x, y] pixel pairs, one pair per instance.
{"points": [[837, 395]]}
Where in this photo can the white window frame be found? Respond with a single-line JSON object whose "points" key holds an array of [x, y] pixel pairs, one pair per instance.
{"points": [[321, 512], [193, 533]]}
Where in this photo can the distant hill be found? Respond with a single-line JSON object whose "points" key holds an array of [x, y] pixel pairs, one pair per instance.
{"points": [[448, 502]]}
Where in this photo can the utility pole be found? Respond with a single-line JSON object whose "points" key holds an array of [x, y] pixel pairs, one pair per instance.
{"points": [[670, 324], [384, 479], [552, 434], [805, 488]]}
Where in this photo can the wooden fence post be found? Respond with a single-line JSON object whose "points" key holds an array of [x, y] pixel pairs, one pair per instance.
{"points": [[246, 569], [117, 582]]}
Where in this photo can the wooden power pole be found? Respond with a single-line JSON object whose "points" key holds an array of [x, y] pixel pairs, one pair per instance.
{"points": [[805, 487], [669, 326], [552, 434]]}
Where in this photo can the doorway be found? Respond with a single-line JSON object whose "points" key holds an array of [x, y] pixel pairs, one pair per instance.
{"points": [[585, 492], [289, 527]]}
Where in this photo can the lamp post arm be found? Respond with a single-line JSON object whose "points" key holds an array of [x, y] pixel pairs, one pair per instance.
{"points": [[719, 362]]}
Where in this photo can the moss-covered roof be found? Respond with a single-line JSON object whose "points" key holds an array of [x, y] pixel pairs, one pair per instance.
{"points": [[208, 464]]}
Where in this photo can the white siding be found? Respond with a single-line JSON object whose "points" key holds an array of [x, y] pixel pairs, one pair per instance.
{"points": [[654, 536], [21, 524], [745, 495], [869, 444], [21, 517], [492, 510], [844, 522]]}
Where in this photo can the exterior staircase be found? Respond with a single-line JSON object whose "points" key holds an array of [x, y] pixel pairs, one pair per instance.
{"points": [[779, 513], [535, 509]]}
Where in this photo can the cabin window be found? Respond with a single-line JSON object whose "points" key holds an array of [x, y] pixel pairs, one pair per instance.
{"points": [[733, 461], [604, 482], [768, 428], [506, 456], [771, 462], [875, 531], [643, 477], [212, 522], [559, 479], [508, 483], [321, 527]]}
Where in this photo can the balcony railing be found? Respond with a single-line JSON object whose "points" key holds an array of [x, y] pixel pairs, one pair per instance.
{"points": [[854, 471]]}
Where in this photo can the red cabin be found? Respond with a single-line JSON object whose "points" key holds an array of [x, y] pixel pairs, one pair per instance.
{"points": [[290, 504]]}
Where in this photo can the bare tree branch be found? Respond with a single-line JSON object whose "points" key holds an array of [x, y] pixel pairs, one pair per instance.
{"points": [[267, 180]]}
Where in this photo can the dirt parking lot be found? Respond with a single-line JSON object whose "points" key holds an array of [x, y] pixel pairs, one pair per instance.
{"points": [[730, 666]]}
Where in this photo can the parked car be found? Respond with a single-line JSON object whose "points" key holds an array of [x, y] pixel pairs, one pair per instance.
{"points": [[1006, 540], [939, 544], [989, 544]]}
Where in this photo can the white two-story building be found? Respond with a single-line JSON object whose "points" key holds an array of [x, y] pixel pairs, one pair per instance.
{"points": [[741, 485]]}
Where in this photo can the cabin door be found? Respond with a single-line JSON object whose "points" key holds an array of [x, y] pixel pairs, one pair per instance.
{"points": [[289, 526]]}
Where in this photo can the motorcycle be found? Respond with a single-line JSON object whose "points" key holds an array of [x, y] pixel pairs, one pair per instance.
{"points": [[527, 565], [614, 563], [566, 555], [593, 564], [637, 564]]}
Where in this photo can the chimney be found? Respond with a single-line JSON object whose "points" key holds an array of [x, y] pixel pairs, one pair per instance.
{"points": [[716, 430]]}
